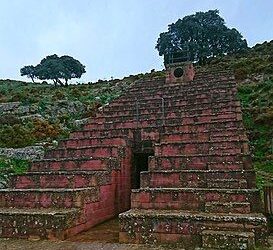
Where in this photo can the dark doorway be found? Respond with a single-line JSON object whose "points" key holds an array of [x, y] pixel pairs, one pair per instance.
{"points": [[140, 163]]}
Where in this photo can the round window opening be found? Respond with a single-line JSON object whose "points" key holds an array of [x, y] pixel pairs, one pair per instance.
{"points": [[178, 72]]}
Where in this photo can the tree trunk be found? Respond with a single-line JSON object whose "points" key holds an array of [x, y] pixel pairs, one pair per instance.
{"points": [[55, 83], [66, 82], [60, 82], [32, 78]]}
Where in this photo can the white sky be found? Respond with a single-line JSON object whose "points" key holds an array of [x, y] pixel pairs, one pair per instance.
{"points": [[111, 37]]}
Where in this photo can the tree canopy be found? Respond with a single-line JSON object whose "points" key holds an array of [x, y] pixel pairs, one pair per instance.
{"points": [[200, 36], [28, 71], [55, 68]]}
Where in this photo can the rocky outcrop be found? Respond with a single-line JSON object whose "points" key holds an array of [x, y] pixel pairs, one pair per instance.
{"points": [[27, 153]]}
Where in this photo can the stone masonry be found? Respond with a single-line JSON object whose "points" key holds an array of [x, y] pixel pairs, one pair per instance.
{"points": [[199, 189]]}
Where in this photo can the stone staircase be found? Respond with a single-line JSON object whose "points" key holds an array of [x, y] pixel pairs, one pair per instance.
{"points": [[199, 189]]}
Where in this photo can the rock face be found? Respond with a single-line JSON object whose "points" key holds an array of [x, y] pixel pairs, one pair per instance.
{"points": [[198, 189], [31, 111], [27, 153]]}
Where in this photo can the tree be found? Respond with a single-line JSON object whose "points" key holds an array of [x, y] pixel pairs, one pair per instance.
{"points": [[201, 36], [50, 68], [56, 68], [28, 71], [72, 68]]}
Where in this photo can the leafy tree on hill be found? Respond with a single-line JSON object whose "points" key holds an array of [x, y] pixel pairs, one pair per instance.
{"points": [[56, 68], [201, 36], [28, 71], [72, 68], [50, 68]]}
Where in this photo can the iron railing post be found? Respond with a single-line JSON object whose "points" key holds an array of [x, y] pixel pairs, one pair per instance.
{"points": [[137, 112], [163, 111]]}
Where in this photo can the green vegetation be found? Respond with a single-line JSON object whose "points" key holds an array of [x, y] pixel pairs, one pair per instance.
{"points": [[11, 166], [46, 113], [257, 104], [27, 133], [257, 60], [200, 36], [55, 68]]}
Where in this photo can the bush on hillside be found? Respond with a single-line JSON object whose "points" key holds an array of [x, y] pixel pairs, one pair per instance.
{"points": [[15, 136], [10, 166], [9, 119]]}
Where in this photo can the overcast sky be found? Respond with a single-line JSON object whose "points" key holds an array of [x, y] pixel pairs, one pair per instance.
{"points": [[111, 37]]}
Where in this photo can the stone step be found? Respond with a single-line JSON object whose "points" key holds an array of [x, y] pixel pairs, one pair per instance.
{"points": [[215, 239], [192, 90], [200, 78], [155, 120], [153, 131], [188, 90], [176, 96], [158, 112], [168, 103], [92, 141], [213, 136], [102, 132], [39, 223], [88, 151], [201, 161], [47, 197], [60, 179], [184, 118], [201, 147], [230, 183], [228, 207], [201, 97], [191, 199], [168, 112], [160, 83], [156, 101], [198, 178], [222, 87], [203, 126], [186, 228], [73, 164], [198, 97]]}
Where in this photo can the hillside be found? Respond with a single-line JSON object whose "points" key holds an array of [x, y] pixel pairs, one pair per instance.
{"points": [[33, 113], [39, 113]]}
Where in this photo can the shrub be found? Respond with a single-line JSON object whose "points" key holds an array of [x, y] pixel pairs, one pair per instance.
{"points": [[43, 130], [15, 136], [10, 166], [58, 95], [9, 119], [240, 73]]}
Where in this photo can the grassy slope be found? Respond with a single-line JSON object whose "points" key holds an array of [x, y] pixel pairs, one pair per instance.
{"points": [[257, 104], [53, 106]]}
